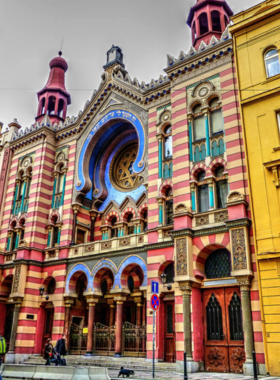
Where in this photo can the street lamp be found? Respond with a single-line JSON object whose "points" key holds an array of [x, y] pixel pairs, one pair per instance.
{"points": [[163, 280], [42, 290]]}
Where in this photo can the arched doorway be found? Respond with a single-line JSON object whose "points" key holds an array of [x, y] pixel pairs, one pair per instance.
{"points": [[167, 315], [223, 330], [8, 309], [78, 316], [46, 313]]}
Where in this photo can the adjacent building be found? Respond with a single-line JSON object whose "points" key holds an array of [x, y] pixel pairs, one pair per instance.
{"points": [[256, 35], [147, 183]]}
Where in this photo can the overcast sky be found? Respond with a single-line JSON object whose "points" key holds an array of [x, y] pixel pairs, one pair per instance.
{"points": [[31, 32]]}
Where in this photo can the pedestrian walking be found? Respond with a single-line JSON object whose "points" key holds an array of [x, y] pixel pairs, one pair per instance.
{"points": [[48, 352], [60, 350], [3, 348]]}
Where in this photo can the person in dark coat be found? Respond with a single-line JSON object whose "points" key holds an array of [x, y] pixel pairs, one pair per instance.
{"points": [[60, 349], [48, 352]]}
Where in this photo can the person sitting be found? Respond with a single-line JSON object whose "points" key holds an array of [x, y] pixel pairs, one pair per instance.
{"points": [[48, 352], [3, 348], [60, 349]]}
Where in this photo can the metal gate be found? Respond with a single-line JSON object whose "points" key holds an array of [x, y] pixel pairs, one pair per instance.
{"points": [[133, 340], [104, 339], [78, 340]]}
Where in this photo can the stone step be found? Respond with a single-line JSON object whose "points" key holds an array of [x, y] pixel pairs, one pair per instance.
{"points": [[109, 362]]}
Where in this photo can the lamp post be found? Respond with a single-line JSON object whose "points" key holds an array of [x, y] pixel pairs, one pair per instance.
{"points": [[163, 280], [41, 291]]}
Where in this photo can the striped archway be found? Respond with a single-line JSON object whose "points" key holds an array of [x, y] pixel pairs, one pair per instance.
{"points": [[203, 247], [73, 277], [127, 268]]}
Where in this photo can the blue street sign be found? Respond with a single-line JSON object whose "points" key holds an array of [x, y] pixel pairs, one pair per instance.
{"points": [[155, 287]]}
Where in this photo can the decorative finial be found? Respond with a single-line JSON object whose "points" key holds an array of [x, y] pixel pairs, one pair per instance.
{"points": [[60, 53]]}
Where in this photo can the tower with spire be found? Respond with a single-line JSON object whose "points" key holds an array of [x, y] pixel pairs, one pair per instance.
{"points": [[53, 98], [208, 18]]}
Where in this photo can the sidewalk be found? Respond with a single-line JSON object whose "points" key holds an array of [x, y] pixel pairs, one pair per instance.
{"points": [[194, 376]]}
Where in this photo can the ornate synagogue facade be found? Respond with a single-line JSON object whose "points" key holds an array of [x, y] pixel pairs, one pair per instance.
{"points": [[148, 182]]}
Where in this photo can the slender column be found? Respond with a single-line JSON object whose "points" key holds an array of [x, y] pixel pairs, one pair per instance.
{"points": [[91, 314], [54, 190], [17, 239], [160, 206], [245, 283], [190, 140], [144, 313], [75, 207], [112, 312], [14, 327], [139, 228], [68, 303], [138, 300], [135, 228], [119, 315], [186, 289], [160, 157], [208, 152], [23, 195], [15, 199], [49, 236], [58, 236]]}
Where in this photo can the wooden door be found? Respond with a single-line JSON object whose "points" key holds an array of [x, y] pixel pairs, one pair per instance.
{"points": [[169, 332], [223, 332], [48, 325], [8, 324]]}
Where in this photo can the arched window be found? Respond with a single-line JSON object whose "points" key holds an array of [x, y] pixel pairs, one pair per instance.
{"points": [[51, 105], [218, 264], [169, 207], [196, 154], [199, 124], [272, 63], [43, 104], [169, 271], [221, 146], [203, 152], [114, 229], [194, 31], [28, 183], [60, 108], [202, 193], [221, 187], [168, 143], [145, 220], [216, 21], [203, 23], [217, 124], [130, 225], [171, 170], [14, 241], [51, 286]]}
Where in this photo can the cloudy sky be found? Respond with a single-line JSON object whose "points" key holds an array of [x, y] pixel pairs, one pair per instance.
{"points": [[31, 32]]}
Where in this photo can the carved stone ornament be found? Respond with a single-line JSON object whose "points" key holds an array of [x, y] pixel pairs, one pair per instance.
{"points": [[107, 245], [92, 301], [202, 220], [137, 300], [16, 279], [180, 208], [182, 257], [110, 301], [238, 249], [89, 248], [221, 216], [235, 196], [119, 299], [141, 239], [185, 287], [245, 283], [124, 242]]}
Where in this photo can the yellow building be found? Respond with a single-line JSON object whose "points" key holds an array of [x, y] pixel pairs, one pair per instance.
{"points": [[256, 34]]}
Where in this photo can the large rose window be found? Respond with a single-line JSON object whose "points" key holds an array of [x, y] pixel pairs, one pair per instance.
{"points": [[122, 175]]}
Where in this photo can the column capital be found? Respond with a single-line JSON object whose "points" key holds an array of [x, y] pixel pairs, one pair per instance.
{"points": [[244, 282], [186, 287], [138, 301], [76, 207], [119, 300], [111, 303], [69, 301], [93, 214]]}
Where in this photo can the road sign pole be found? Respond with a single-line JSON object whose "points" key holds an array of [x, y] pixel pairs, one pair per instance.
{"points": [[154, 325]]}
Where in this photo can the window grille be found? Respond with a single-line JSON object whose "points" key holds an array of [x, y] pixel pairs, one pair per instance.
{"points": [[218, 264]]}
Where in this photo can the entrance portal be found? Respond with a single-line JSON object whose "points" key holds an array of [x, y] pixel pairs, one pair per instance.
{"points": [[169, 333], [223, 331], [8, 324], [48, 325]]}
